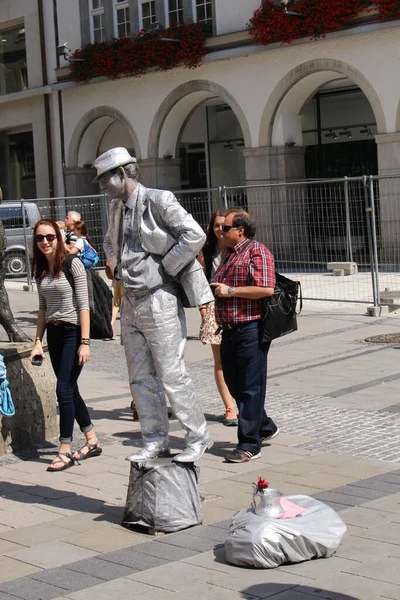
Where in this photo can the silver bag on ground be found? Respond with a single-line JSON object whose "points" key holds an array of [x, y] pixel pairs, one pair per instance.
{"points": [[263, 542], [163, 495]]}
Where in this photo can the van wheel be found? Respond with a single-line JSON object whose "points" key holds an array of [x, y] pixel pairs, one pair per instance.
{"points": [[15, 264]]}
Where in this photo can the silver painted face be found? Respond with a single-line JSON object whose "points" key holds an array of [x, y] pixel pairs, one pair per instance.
{"points": [[112, 184]]}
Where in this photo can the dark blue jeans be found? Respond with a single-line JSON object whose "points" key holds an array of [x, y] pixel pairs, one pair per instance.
{"points": [[63, 341], [244, 364]]}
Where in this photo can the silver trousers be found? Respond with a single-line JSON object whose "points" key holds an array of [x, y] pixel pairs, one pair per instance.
{"points": [[153, 329]]}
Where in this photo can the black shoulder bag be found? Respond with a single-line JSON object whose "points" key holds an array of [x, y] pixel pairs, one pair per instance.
{"points": [[279, 314]]}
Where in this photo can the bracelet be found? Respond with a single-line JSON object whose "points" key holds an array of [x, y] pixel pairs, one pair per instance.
{"points": [[85, 342], [38, 339], [203, 307]]}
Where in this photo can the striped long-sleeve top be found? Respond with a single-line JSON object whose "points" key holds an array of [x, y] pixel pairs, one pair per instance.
{"points": [[59, 300]]}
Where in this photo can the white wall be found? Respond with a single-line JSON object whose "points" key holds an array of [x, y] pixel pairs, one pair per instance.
{"points": [[232, 15]]}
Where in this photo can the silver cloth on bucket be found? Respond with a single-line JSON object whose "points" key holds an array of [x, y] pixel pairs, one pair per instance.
{"points": [[112, 159]]}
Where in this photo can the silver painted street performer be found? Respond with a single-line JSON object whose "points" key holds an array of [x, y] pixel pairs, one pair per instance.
{"points": [[151, 244]]}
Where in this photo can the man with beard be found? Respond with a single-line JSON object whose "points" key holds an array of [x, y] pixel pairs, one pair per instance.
{"points": [[151, 244]]}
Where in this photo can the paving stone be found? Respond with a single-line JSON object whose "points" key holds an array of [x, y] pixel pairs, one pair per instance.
{"points": [[382, 534], [223, 524], [175, 577], [104, 539], [53, 554], [389, 503], [165, 551], [362, 549], [366, 517], [119, 589], [184, 540], [351, 587], [364, 493], [339, 499], [379, 484], [30, 589], [13, 569], [385, 568], [7, 546], [262, 583], [209, 533], [213, 592], [101, 569], [36, 534], [66, 579], [130, 558]]}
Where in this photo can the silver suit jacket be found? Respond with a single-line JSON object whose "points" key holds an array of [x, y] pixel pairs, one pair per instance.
{"points": [[166, 229]]}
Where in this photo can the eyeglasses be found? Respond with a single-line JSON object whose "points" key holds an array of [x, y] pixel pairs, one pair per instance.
{"points": [[226, 228], [50, 237]]}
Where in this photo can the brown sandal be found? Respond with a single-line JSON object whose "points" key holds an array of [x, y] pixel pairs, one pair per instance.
{"points": [[93, 450], [58, 459]]}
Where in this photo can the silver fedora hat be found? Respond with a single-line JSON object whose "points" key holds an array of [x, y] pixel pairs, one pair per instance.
{"points": [[112, 159]]}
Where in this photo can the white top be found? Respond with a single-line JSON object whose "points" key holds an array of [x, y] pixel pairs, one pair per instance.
{"points": [[80, 244]]}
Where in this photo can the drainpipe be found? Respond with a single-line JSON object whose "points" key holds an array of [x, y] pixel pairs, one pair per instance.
{"points": [[46, 107]]}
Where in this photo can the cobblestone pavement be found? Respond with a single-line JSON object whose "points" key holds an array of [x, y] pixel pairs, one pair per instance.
{"points": [[349, 431]]}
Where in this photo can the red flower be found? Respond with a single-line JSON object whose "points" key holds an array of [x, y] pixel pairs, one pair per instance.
{"points": [[262, 484], [270, 23], [132, 57]]}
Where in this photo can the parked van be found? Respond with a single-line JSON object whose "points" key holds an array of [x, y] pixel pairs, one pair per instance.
{"points": [[13, 221]]}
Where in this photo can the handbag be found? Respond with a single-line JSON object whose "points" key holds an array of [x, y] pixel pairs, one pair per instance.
{"points": [[278, 312]]}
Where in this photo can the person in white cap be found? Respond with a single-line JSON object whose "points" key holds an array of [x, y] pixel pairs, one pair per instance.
{"points": [[151, 245]]}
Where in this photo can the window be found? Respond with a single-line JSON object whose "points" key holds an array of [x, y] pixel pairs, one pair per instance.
{"points": [[13, 70], [122, 23], [175, 11], [203, 11], [12, 217], [98, 28], [148, 14]]}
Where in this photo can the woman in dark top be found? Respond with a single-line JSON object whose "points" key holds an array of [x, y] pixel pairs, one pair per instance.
{"points": [[64, 314], [210, 257]]}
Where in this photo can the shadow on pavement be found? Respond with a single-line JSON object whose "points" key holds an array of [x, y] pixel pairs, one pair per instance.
{"points": [[285, 591], [42, 496]]}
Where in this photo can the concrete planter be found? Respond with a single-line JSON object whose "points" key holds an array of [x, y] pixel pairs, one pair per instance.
{"points": [[33, 392]]}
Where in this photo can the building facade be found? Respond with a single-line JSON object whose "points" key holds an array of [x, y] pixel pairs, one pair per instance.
{"points": [[248, 114]]}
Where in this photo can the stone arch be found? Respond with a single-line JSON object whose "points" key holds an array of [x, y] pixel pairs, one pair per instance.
{"points": [[311, 68], [197, 87], [91, 116]]}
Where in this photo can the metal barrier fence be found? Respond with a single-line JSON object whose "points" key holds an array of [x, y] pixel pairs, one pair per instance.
{"points": [[306, 224]]}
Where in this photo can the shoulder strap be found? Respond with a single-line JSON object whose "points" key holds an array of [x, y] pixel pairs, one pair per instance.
{"points": [[67, 266]]}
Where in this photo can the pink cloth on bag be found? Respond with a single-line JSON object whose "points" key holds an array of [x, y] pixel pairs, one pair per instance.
{"points": [[291, 510]]}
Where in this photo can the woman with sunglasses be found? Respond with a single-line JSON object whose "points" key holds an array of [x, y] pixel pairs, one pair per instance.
{"points": [[210, 257], [64, 314]]}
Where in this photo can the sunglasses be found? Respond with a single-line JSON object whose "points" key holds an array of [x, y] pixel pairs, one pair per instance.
{"points": [[50, 237], [226, 228]]}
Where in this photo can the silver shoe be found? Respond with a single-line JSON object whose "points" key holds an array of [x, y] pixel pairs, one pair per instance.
{"points": [[150, 451], [194, 451]]}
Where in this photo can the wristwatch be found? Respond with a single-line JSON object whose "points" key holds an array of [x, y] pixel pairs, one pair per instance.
{"points": [[230, 291]]}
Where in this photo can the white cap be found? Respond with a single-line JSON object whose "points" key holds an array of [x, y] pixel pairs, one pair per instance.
{"points": [[112, 159]]}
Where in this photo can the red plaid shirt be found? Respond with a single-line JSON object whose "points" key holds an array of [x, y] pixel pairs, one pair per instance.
{"points": [[248, 263]]}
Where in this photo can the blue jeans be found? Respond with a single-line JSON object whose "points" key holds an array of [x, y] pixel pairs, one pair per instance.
{"points": [[63, 341], [244, 364]]}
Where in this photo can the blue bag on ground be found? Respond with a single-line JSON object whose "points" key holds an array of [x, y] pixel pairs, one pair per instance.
{"points": [[88, 256], [6, 404]]}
